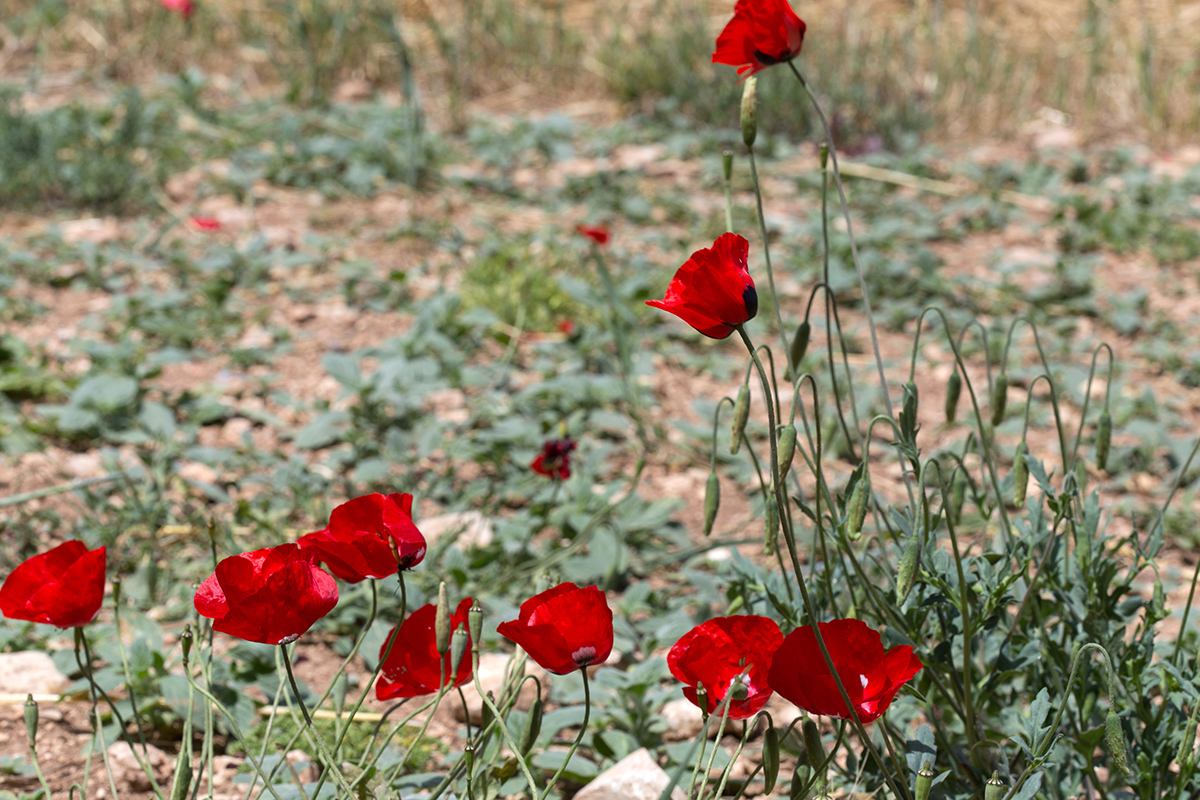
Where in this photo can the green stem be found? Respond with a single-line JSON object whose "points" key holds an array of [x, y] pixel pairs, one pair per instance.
{"points": [[33, 759], [137, 716], [533, 790], [810, 610], [587, 711], [330, 763], [762, 227]]}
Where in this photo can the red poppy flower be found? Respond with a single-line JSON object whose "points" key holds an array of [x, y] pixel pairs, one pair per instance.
{"points": [[203, 223], [715, 653], [713, 291], [414, 667], [184, 8], [762, 33], [871, 676], [62, 587], [566, 326], [597, 233], [563, 629], [271, 595], [555, 459], [372, 536]]}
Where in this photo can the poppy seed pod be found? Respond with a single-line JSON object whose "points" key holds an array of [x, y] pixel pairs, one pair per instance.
{"points": [[1116, 741], [800, 345], [770, 759], [994, 788], [31, 720], [924, 781], [741, 415], [712, 502], [907, 573], [1020, 475], [814, 748], [475, 623], [999, 398], [441, 625], [953, 392], [1103, 440], [458, 648], [786, 450], [749, 111]]}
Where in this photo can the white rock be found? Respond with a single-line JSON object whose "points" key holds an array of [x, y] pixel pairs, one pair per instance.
{"points": [[30, 672], [128, 773], [635, 777], [470, 528], [683, 720], [491, 676]]}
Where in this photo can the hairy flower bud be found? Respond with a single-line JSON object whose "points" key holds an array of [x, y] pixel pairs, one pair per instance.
{"points": [[958, 496], [531, 728], [185, 642], [858, 504], [1116, 741], [31, 720], [727, 163], [458, 647], [999, 398], [813, 746], [770, 759], [712, 502], [475, 625], [953, 392], [1103, 440], [441, 622], [823, 153], [907, 573], [786, 450], [800, 345], [741, 415], [1020, 475], [750, 111]]}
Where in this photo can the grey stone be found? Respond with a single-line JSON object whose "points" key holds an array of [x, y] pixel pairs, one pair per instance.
{"points": [[635, 777], [30, 672]]}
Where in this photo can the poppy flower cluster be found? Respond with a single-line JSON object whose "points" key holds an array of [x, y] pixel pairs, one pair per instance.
{"points": [[752, 651]]}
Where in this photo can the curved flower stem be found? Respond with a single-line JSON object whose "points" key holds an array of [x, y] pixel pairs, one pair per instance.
{"points": [[862, 282], [33, 759], [98, 724], [762, 228], [374, 674], [809, 608], [533, 790], [330, 763], [712, 757], [137, 716], [237, 732], [587, 712]]}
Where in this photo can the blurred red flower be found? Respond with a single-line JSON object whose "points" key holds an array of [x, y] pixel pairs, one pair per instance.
{"points": [[716, 652], [206, 223], [761, 34], [271, 595], [597, 233], [566, 326], [372, 536], [563, 629], [414, 667], [555, 459], [713, 291], [62, 587], [871, 676], [185, 8]]}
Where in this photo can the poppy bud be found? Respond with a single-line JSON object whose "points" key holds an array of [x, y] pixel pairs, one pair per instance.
{"points": [[702, 697], [1103, 440], [1158, 602], [800, 344], [770, 759], [857, 505], [999, 398], [814, 748], [1116, 742], [441, 622], [771, 525], [116, 584], [339, 692], [924, 781], [712, 501], [531, 728], [185, 642], [741, 415], [907, 573], [475, 625], [183, 777], [469, 758], [1020, 475], [750, 111], [736, 605], [911, 398], [727, 163], [458, 648], [958, 495], [953, 392], [994, 788], [31, 720], [823, 152], [786, 450]]}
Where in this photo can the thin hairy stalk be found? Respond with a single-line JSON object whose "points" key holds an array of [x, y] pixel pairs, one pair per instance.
{"points": [[587, 711], [137, 716], [508, 740], [762, 228], [862, 281], [37, 768], [1087, 394], [810, 610]]}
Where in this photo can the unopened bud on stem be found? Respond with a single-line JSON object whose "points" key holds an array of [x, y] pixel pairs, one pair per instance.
{"points": [[741, 415], [31, 720], [441, 622], [712, 502], [750, 111]]}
